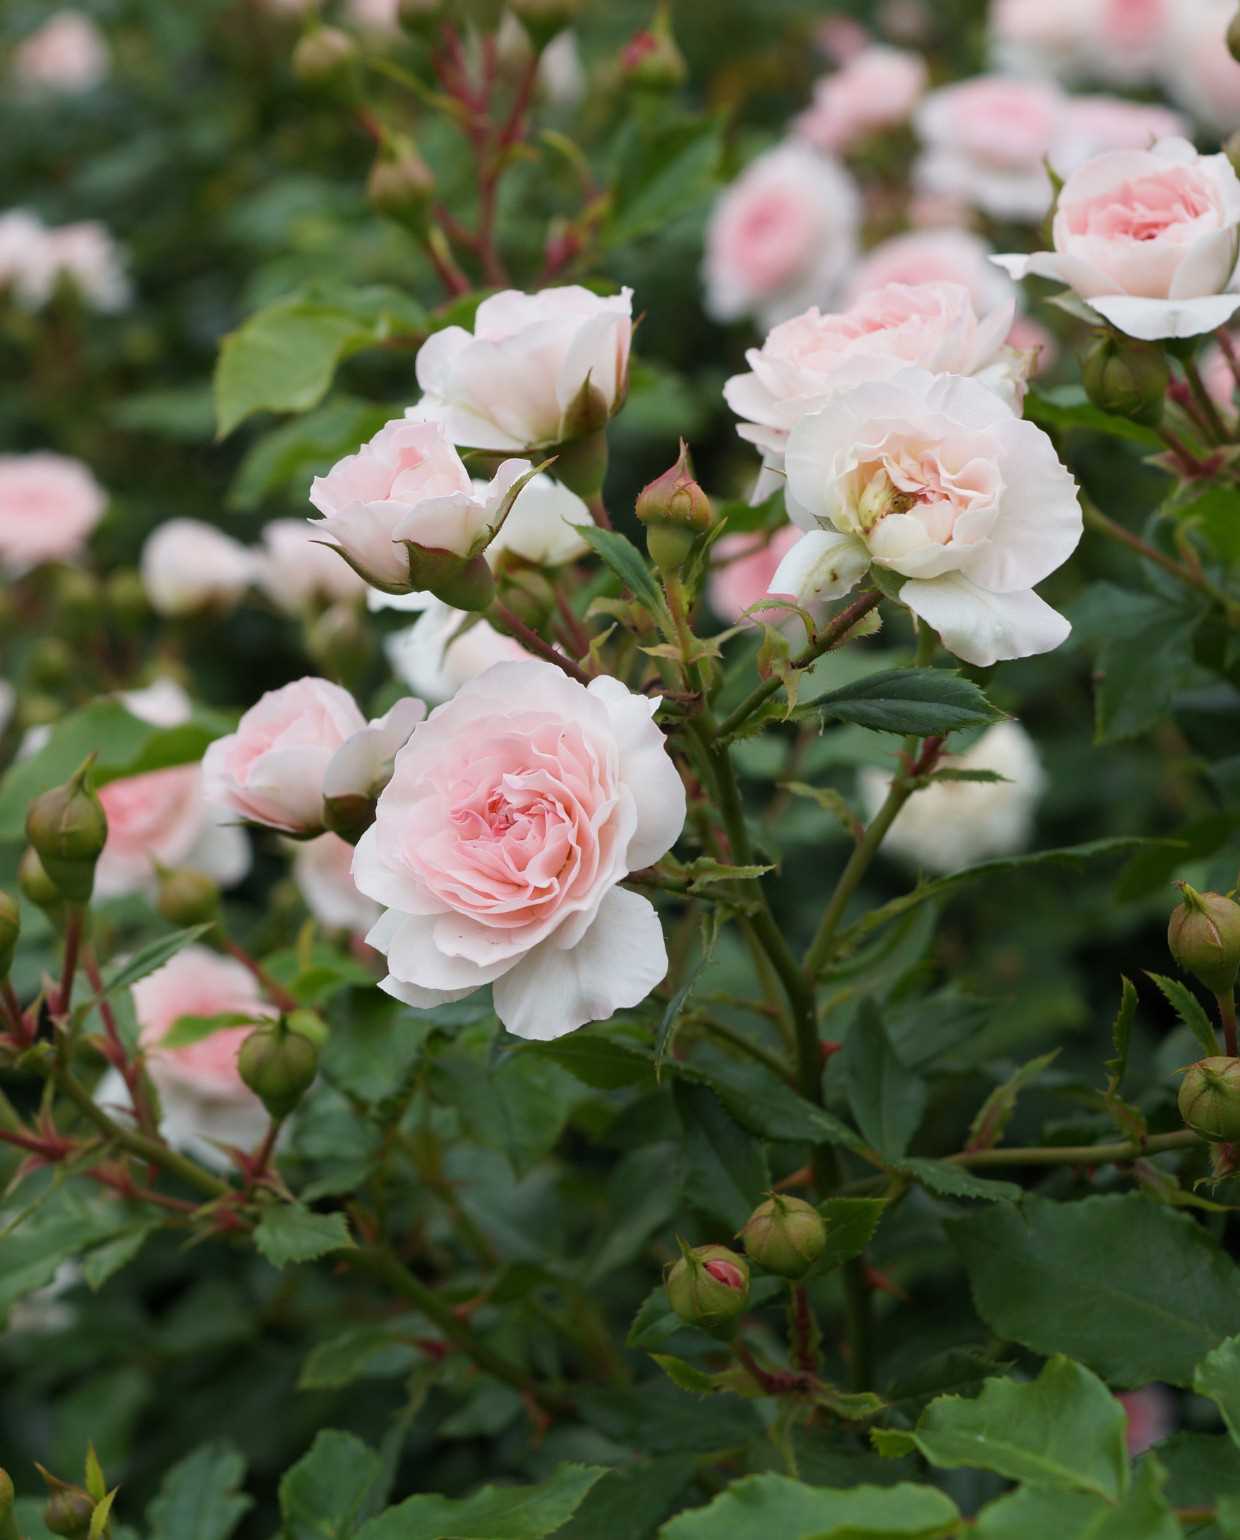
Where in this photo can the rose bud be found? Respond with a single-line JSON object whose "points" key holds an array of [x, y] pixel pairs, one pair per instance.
{"points": [[52, 662], [1127, 378], [7, 1497], [68, 829], [676, 512], [785, 1236], [651, 59], [278, 1063], [544, 19], [1204, 937], [402, 186], [10, 929], [79, 601], [325, 57], [69, 1508], [187, 897], [708, 1286], [38, 887], [1209, 1098]]}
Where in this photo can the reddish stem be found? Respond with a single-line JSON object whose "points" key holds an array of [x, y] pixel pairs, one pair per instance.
{"points": [[130, 1070], [803, 1330], [73, 943], [534, 643], [280, 996]]}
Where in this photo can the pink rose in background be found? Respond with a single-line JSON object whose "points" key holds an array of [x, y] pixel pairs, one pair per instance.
{"points": [[67, 54], [934, 256], [375, 15], [189, 567], [442, 651], [782, 237], [297, 572], [514, 813], [23, 257], [1217, 374], [1201, 74], [49, 504], [988, 139], [1096, 125], [875, 89], [1149, 238], [407, 484], [1031, 338], [1129, 37], [742, 570], [35, 259], [271, 770], [840, 38], [534, 371], [322, 870], [1151, 1413], [1116, 40]]}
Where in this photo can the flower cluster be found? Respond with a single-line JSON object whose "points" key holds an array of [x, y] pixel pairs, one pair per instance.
{"points": [[37, 260]]}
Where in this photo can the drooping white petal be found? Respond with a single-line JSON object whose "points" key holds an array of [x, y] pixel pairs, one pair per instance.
{"points": [[982, 627]]}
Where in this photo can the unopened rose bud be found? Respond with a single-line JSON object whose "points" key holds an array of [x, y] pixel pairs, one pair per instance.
{"points": [[68, 828], [325, 57], [676, 512], [486, 15], [1209, 1098], [10, 929], [1204, 937], [187, 897], [279, 1063], [402, 186], [544, 19], [1233, 37], [38, 887], [51, 662], [341, 643], [651, 58], [708, 1286], [125, 595], [785, 1236], [1127, 378], [7, 1497], [69, 1508]]}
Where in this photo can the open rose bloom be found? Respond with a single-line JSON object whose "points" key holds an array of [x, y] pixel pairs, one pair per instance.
{"points": [[876, 88], [67, 53], [513, 814], [934, 479], [1149, 239], [987, 140], [189, 567], [49, 504]]}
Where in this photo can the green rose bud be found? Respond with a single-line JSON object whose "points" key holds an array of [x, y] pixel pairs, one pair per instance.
{"points": [[544, 19], [187, 897], [325, 57], [676, 512], [51, 662], [341, 643], [1209, 1098], [785, 1236], [1127, 378], [68, 829], [10, 929], [651, 59], [38, 887], [279, 1062], [708, 1286], [1204, 937], [69, 1508], [79, 601]]}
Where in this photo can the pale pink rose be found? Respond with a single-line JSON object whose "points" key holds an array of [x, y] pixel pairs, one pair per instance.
{"points": [[1117, 40], [934, 256], [782, 237], [49, 504], [514, 813], [298, 572], [1130, 38], [1200, 73], [322, 870], [1038, 344], [445, 649], [375, 15], [987, 139], [271, 770], [742, 570], [934, 479], [67, 53], [362, 766], [1095, 125], [1151, 1413], [1149, 238], [1217, 374], [875, 89], [841, 39], [537, 369], [544, 525], [86, 255], [24, 265], [408, 484], [189, 567]]}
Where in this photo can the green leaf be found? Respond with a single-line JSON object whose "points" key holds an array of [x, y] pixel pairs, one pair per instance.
{"points": [[64, 1227], [1065, 1429], [1037, 1513], [597, 1061], [1121, 1033], [100, 1264], [630, 1501], [1216, 515], [1227, 1517], [629, 565], [887, 1099], [289, 457], [851, 1223], [1189, 1010], [198, 1498], [145, 960], [685, 1375], [323, 1496], [1140, 1292], [995, 1113], [1067, 406], [193, 1029], [673, 1015], [725, 1169], [289, 1232], [951, 1180], [493, 1513], [774, 1507], [1218, 1378], [924, 701], [664, 173], [361, 1352]]}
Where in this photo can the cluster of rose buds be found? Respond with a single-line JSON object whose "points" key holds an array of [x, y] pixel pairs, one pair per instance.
{"points": [[1204, 937]]}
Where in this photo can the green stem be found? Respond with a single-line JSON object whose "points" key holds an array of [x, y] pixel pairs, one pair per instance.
{"points": [[1227, 1015], [1205, 401], [1099, 521], [743, 1044], [1079, 1154]]}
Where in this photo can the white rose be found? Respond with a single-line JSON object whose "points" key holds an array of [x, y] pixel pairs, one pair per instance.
{"points": [[188, 566]]}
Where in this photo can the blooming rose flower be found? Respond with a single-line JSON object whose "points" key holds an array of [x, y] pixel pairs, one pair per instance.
{"points": [[935, 479], [1149, 238], [949, 825], [34, 260], [408, 484], [298, 572], [322, 870], [67, 53], [1217, 375], [781, 237], [743, 568], [271, 769], [188, 566], [163, 816], [440, 652], [536, 370], [875, 89], [1096, 125], [934, 256], [988, 139], [1151, 1413], [1120, 40], [203, 1100], [49, 504], [542, 527], [1198, 68], [514, 813]]}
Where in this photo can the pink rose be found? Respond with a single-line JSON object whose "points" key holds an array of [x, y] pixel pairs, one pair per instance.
{"points": [[840, 38], [1038, 344], [1149, 238], [189, 567], [298, 572], [1095, 125], [86, 255], [408, 484], [934, 256], [1200, 72], [375, 15], [742, 570], [781, 237], [1119, 40], [23, 258], [67, 53], [1151, 1414], [875, 89], [537, 369], [49, 505], [988, 139], [1129, 38], [322, 870], [515, 811], [1217, 374]]}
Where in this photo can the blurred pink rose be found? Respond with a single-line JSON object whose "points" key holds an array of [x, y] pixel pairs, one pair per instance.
{"points": [[1200, 72], [443, 650], [841, 38], [514, 813], [875, 89], [1151, 1413], [988, 139], [781, 237], [1095, 125], [1031, 337], [934, 256], [297, 571], [67, 53], [188, 566], [1116, 40], [49, 504], [375, 15], [1218, 375], [742, 569], [1149, 238], [322, 870], [34, 260]]}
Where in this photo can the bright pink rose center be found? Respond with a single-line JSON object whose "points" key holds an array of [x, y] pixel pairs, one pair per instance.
{"points": [[1145, 208], [725, 1272]]}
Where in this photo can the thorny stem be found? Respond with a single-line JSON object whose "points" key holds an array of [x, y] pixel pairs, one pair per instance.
{"points": [[279, 996], [803, 1331], [1079, 1154], [532, 642], [131, 1073]]}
